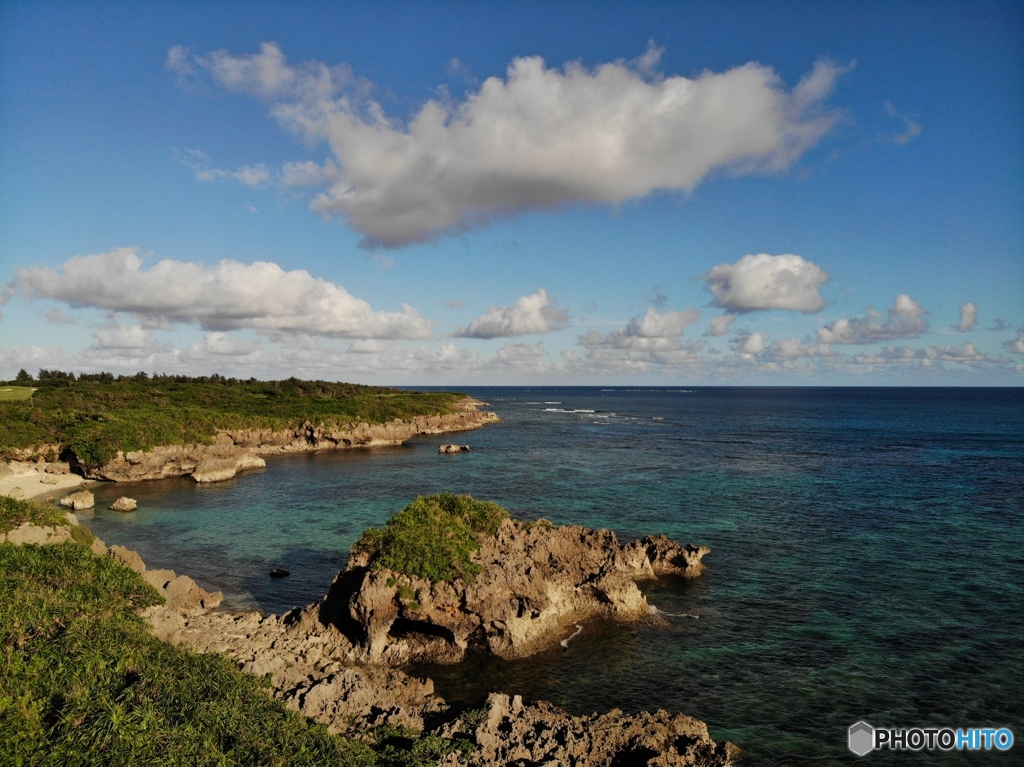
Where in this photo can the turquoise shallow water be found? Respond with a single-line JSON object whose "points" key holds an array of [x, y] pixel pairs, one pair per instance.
{"points": [[866, 551]]}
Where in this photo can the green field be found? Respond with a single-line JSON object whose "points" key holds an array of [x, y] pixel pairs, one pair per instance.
{"points": [[98, 415], [15, 392]]}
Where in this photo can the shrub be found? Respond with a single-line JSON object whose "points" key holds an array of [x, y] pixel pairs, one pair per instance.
{"points": [[434, 537]]}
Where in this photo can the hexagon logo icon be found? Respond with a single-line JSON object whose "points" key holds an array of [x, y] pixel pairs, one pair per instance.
{"points": [[861, 738]]}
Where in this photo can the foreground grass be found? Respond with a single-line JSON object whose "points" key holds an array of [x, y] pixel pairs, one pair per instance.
{"points": [[98, 415], [434, 537], [15, 392], [84, 682]]}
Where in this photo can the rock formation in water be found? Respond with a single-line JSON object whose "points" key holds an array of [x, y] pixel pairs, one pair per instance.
{"points": [[237, 450], [453, 449], [80, 500], [538, 581], [124, 503]]}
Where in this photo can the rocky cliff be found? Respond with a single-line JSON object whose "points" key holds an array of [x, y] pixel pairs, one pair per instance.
{"points": [[241, 449], [538, 581], [537, 577]]}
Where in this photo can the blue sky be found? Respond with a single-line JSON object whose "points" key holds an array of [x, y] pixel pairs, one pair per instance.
{"points": [[524, 193]]}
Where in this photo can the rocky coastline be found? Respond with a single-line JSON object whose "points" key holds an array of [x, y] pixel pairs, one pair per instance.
{"points": [[339, 661], [236, 450]]}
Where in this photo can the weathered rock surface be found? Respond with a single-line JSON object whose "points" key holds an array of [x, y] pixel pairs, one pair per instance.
{"points": [[453, 449], [182, 594], [514, 733], [241, 449], [16, 492], [124, 503], [79, 500], [27, 533], [538, 582]]}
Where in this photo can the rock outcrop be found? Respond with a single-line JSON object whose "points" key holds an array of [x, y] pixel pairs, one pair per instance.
{"points": [[511, 732], [537, 578], [80, 500], [241, 449], [124, 503], [538, 581], [453, 449], [182, 595]]}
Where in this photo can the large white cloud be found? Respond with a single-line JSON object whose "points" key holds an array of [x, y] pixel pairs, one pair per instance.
{"points": [[532, 314], [768, 282], [229, 296], [904, 319], [539, 138]]}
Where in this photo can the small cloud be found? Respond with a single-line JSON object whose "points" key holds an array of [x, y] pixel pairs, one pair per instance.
{"points": [[531, 314], [252, 176], [911, 128], [905, 319], [999, 324], [453, 303], [968, 317], [1017, 345], [657, 297], [720, 325], [383, 261], [57, 317]]}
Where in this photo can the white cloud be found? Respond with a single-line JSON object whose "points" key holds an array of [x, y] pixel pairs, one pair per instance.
{"points": [[253, 176], [768, 282], [57, 317], [537, 139], [126, 341], [1016, 346], [966, 353], [535, 313], [720, 324], [794, 348], [228, 296], [904, 319], [654, 331], [968, 317], [518, 354], [911, 128], [752, 343]]}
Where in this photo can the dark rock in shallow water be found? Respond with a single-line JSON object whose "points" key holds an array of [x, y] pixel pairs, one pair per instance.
{"points": [[279, 573]]}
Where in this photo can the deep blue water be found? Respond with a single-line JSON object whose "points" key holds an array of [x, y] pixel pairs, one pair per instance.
{"points": [[866, 560]]}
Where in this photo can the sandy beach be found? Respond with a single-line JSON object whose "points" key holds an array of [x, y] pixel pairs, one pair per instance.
{"points": [[29, 477]]}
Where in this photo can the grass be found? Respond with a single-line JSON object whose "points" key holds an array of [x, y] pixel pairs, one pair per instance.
{"points": [[434, 537], [97, 415], [14, 513], [84, 682], [15, 392]]}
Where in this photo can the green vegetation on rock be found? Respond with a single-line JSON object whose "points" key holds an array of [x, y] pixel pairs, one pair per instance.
{"points": [[97, 415], [15, 512], [83, 681], [434, 537]]}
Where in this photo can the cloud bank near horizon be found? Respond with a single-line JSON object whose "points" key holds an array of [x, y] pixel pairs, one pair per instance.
{"points": [[539, 138], [229, 296]]}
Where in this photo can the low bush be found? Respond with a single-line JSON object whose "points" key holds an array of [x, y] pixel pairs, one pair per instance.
{"points": [[434, 537]]}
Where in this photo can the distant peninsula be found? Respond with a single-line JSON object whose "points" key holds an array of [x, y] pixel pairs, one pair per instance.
{"points": [[140, 427]]}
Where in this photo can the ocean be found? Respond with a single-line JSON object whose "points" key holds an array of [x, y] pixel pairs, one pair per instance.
{"points": [[867, 551]]}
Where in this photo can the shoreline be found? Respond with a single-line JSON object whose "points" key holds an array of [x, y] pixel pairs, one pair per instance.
{"points": [[315, 667], [232, 451]]}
